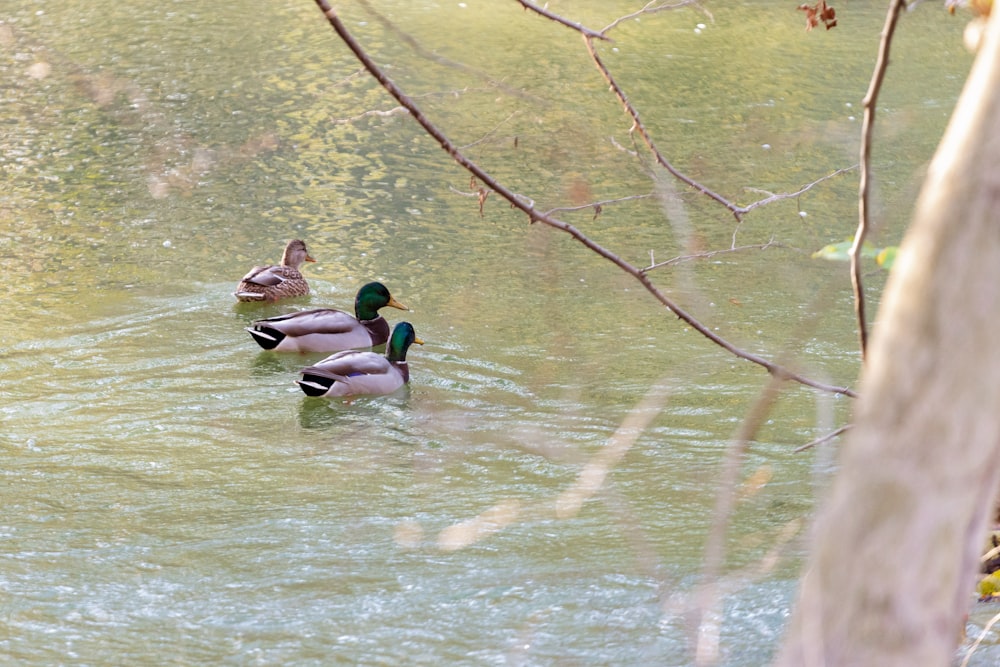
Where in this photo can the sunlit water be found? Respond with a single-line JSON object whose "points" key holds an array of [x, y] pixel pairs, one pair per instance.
{"points": [[171, 497]]}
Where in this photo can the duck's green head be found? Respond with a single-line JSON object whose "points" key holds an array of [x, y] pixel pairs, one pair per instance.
{"points": [[371, 298], [403, 336]]}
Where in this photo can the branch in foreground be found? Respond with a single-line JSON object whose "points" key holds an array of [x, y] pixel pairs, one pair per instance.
{"points": [[776, 370], [708, 597], [867, 130]]}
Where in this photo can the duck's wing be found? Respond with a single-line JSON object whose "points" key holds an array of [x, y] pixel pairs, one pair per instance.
{"points": [[315, 321], [267, 276], [352, 363], [351, 373]]}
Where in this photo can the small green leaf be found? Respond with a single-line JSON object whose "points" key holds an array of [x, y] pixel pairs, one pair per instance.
{"points": [[887, 257], [841, 252], [837, 252]]}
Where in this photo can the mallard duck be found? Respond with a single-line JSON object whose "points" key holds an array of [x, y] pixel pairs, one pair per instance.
{"points": [[270, 283], [355, 373], [328, 330]]}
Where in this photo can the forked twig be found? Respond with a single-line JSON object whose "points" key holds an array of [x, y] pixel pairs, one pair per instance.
{"points": [[522, 204], [651, 8], [771, 198]]}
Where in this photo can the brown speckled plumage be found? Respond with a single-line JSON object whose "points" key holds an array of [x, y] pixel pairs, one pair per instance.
{"points": [[270, 283]]}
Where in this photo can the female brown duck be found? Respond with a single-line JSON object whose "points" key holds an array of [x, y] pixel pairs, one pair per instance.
{"points": [[270, 283]]}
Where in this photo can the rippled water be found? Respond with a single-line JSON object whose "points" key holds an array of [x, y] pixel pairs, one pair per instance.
{"points": [[171, 497]]}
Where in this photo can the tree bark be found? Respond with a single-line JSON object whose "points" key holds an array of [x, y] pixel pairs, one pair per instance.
{"points": [[892, 567]]}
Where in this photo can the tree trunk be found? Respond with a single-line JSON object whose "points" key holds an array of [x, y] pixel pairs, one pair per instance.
{"points": [[892, 567]]}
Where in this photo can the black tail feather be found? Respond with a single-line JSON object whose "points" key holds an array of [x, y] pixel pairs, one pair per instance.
{"points": [[315, 385], [266, 337]]}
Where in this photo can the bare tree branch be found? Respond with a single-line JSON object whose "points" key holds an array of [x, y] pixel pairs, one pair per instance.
{"points": [[521, 203], [867, 131], [640, 128]]}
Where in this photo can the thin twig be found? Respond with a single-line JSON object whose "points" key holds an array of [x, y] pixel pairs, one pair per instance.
{"points": [[650, 9], [595, 205], [711, 253], [822, 439], [566, 22], [798, 193], [395, 111], [489, 134], [521, 203], [864, 189]]}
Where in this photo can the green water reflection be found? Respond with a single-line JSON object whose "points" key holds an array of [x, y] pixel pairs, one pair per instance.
{"points": [[171, 497]]}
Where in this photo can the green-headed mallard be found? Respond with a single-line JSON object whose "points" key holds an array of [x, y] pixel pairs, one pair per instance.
{"points": [[356, 373], [270, 283], [328, 330]]}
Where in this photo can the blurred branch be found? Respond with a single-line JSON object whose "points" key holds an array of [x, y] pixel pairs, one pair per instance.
{"points": [[979, 640], [591, 478], [708, 597], [419, 49], [867, 131], [522, 204]]}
